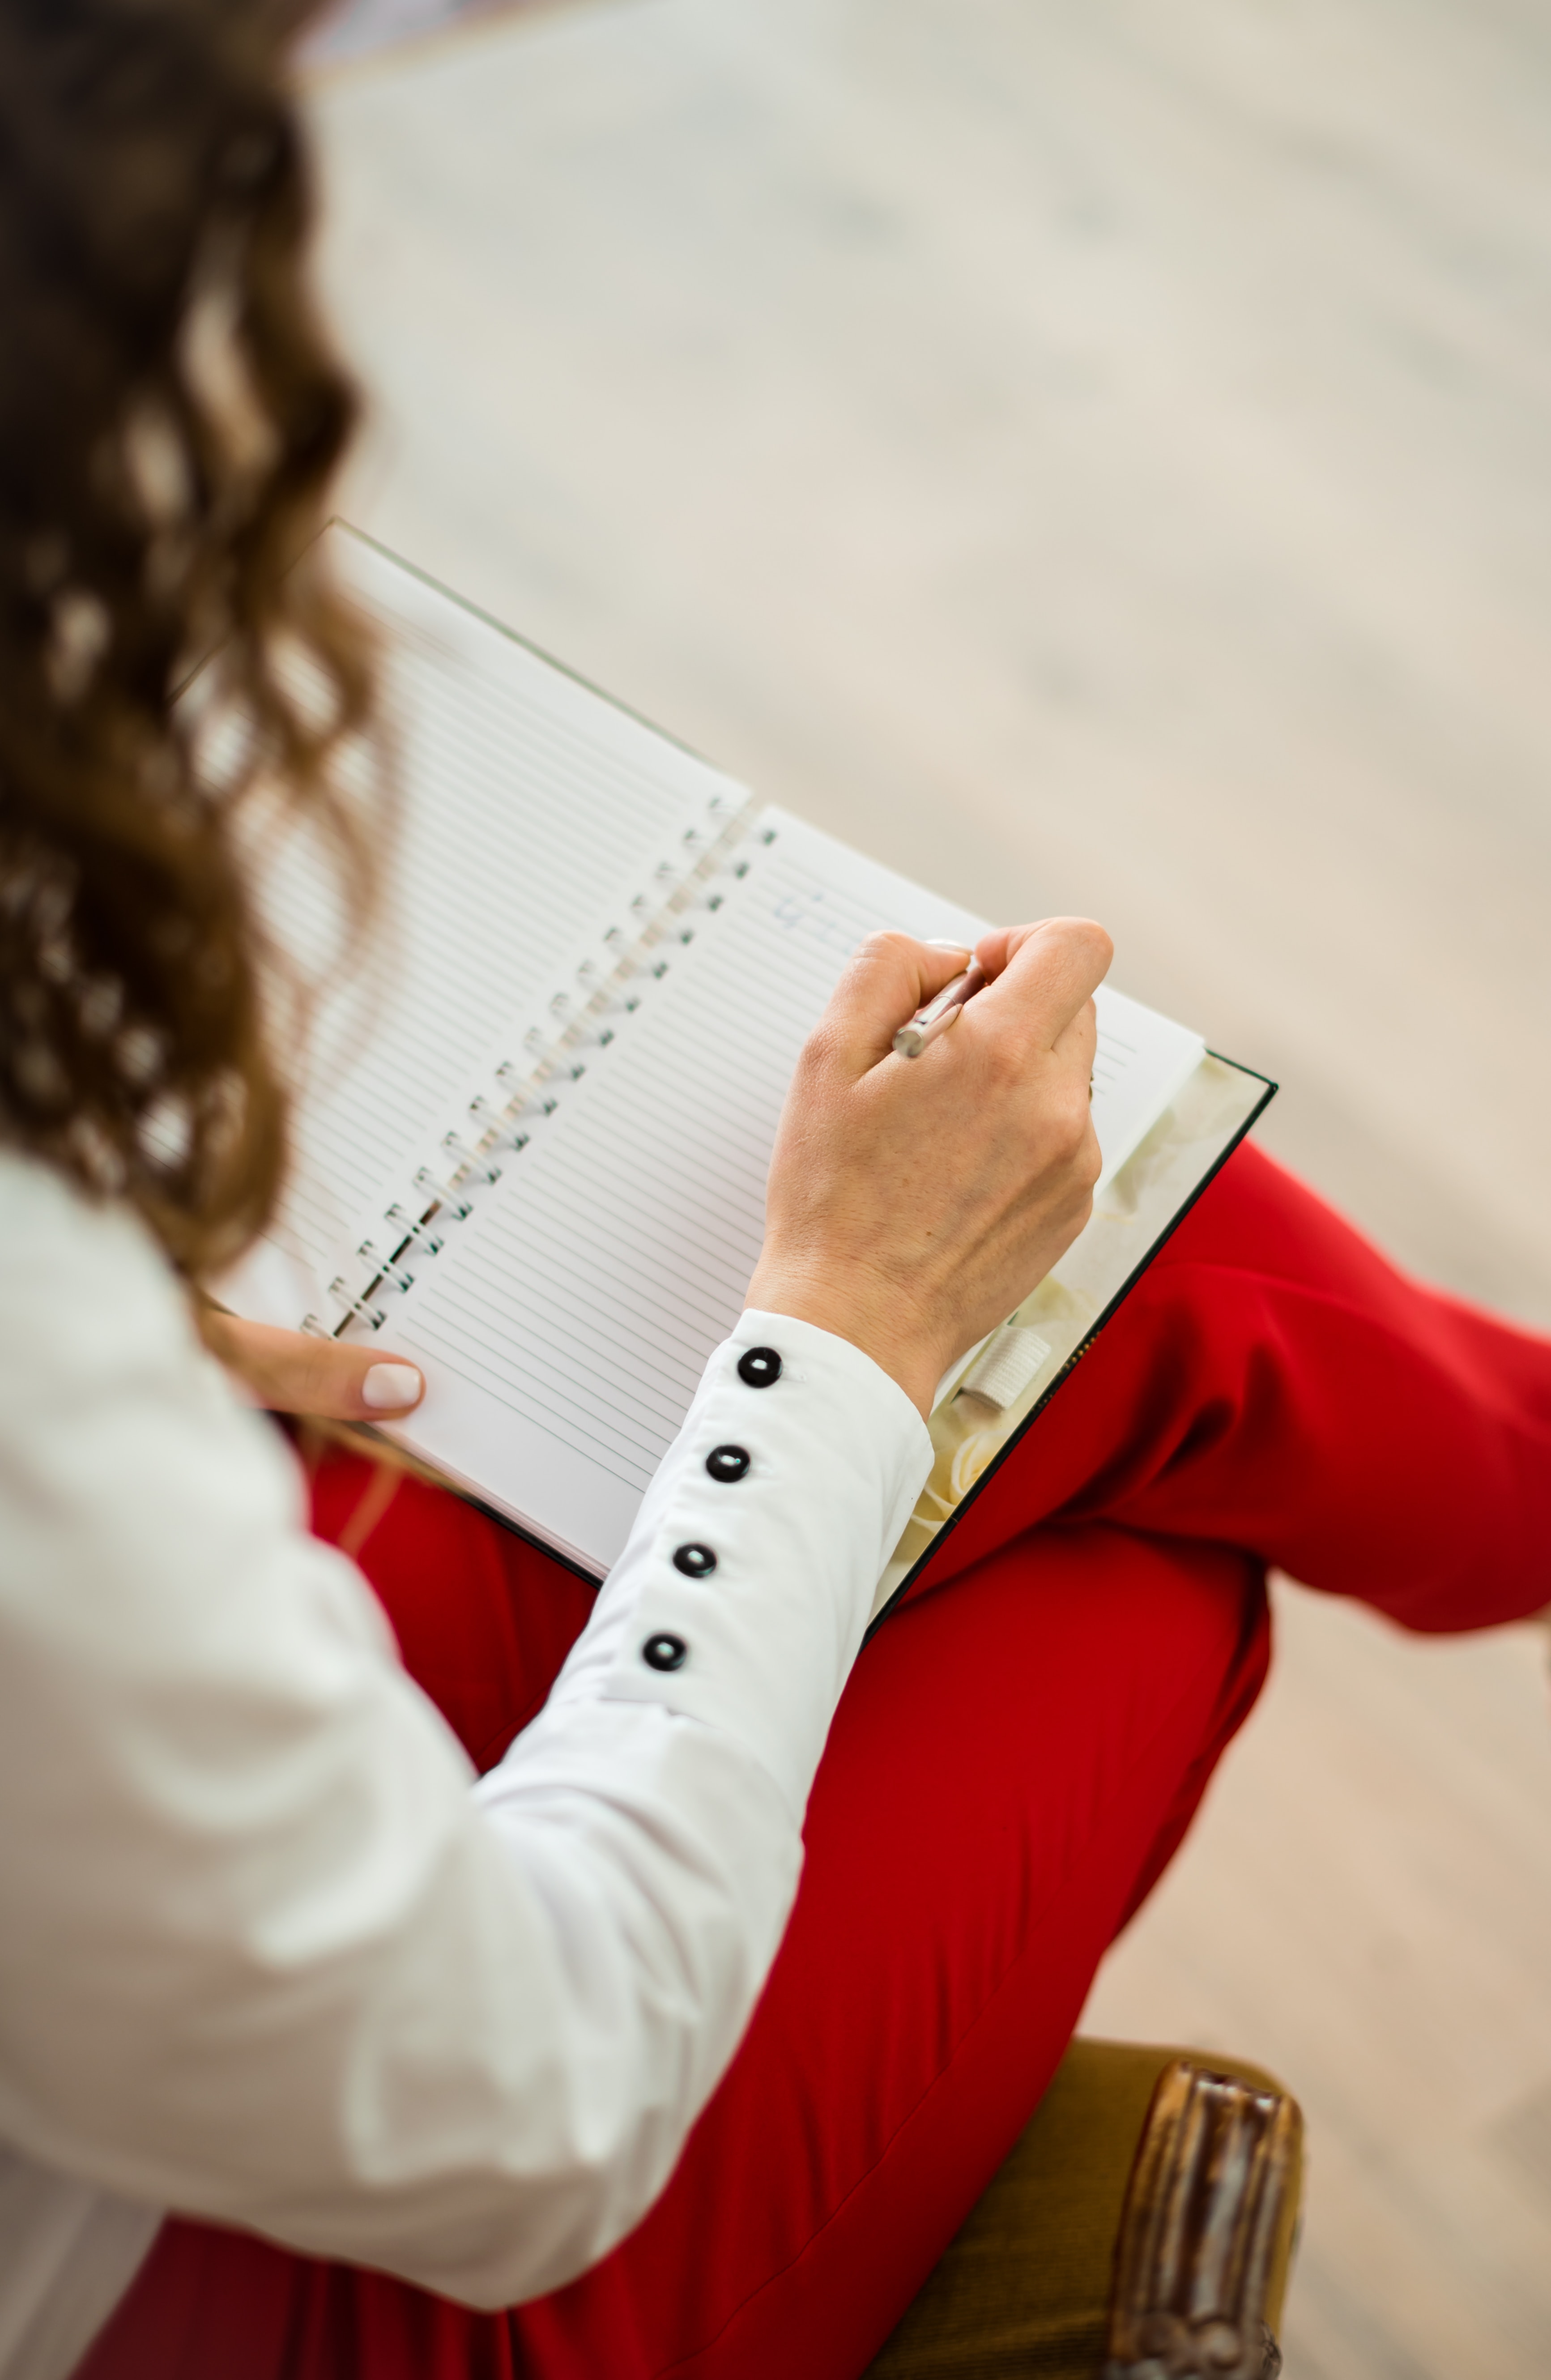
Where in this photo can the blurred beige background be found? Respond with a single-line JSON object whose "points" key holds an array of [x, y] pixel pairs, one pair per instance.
{"points": [[1099, 457]]}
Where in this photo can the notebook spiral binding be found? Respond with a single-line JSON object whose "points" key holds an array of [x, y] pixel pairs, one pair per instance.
{"points": [[586, 1013]]}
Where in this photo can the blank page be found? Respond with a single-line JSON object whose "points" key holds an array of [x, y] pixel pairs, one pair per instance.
{"points": [[534, 813], [566, 1326]]}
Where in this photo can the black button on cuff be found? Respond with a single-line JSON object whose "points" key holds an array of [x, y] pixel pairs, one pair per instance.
{"points": [[696, 1561], [759, 1367], [728, 1462], [664, 1652]]}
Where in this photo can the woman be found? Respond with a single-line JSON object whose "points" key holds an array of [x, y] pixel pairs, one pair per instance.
{"points": [[317, 2055]]}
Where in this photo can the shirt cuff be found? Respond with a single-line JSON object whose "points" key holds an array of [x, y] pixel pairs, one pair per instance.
{"points": [[741, 1596]]}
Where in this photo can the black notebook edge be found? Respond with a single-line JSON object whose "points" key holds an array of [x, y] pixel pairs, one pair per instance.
{"points": [[545, 1545], [1210, 1175]]}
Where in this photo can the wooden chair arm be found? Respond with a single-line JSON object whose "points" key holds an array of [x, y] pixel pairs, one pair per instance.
{"points": [[1154, 2194], [1206, 2233]]}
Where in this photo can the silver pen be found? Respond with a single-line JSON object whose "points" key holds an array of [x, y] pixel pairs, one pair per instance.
{"points": [[940, 1013]]}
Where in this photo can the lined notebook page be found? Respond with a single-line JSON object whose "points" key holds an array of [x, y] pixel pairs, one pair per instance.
{"points": [[534, 812], [566, 1326]]}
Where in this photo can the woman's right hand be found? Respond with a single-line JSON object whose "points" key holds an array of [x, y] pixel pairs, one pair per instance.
{"points": [[913, 1203]]}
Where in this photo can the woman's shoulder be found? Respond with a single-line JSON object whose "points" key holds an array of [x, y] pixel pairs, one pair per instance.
{"points": [[128, 1465], [56, 1217], [83, 1284]]}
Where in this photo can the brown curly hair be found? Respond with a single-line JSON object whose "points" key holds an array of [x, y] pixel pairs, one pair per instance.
{"points": [[170, 417]]}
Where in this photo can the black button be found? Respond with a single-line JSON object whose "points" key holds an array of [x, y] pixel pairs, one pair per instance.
{"points": [[664, 1652], [728, 1462], [760, 1368], [696, 1561]]}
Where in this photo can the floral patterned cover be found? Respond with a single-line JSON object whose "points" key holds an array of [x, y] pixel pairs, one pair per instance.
{"points": [[1147, 1195]]}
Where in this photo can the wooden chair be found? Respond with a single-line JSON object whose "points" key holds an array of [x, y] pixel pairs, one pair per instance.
{"points": [[1143, 2229]]}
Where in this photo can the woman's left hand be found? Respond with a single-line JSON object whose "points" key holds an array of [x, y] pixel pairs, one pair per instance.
{"points": [[289, 1371]]}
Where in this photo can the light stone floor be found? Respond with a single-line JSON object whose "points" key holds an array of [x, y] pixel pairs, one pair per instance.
{"points": [[351, 30], [1100, 457]]}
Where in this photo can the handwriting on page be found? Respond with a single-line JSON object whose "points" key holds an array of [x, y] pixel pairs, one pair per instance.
{"points": [[811, 913]]}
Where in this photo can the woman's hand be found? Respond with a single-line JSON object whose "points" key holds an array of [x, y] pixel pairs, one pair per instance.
{"points": [[915, 1202], [291, 1372]]}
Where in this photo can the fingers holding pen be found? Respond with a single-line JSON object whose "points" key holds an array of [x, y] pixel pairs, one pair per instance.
{"points": [[1037, 1021], [888, 977], [1079, 936], [913, 1201], [1043, 976], [1037, 1016]]}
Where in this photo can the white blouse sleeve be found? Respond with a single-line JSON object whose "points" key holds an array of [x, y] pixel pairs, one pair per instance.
{"points": [[268, 1953]]}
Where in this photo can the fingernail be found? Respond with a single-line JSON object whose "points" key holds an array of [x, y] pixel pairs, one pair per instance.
{"points": [[391, 1384], [935, 946]]}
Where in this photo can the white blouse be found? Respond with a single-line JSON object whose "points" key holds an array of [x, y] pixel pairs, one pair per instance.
{"points": [[269, 1953]]}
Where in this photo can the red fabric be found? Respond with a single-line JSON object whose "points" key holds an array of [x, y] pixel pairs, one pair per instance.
{"points": [[1014, 1762]]}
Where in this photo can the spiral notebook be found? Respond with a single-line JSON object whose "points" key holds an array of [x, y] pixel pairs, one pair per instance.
{"points": [[538, 1168]]}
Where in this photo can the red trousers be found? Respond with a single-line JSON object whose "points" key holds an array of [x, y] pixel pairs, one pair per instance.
{"points": [[1017, 1755]]}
